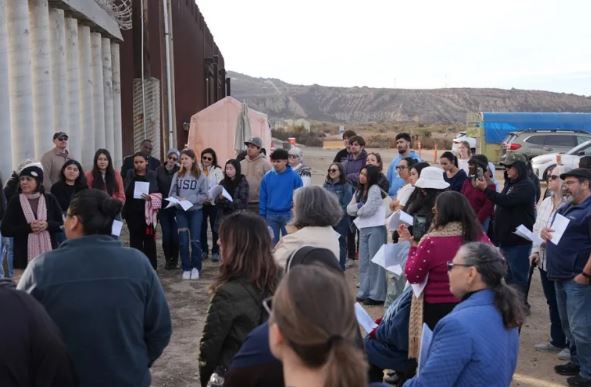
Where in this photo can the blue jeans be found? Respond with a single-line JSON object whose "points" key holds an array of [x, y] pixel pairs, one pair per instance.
{"points": [[189, 224], [372, 277], [277, 221], [574, 307], [6, 250], [557, 337], [170, 235], [517, 265], [343, 229]]}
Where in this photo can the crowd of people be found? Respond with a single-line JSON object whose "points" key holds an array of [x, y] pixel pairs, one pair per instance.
{"points": [[281, 311]]}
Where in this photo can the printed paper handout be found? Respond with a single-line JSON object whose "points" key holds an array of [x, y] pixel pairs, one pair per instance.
{"points": [[185, 204], [426, 338], [525, 232], [388, 258], [364, 319], [141, 188], [377, 219], [559, 226], [397, 218], [417, 289], [116, 227], [218, 190]]}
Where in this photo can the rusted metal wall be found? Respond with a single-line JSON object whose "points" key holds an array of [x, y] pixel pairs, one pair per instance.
{"points": [[196, 85]]}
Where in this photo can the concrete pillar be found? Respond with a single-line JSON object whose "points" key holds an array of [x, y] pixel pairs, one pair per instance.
{"points": [[20, 83], [5, 148], [98, 91], [72, 89], [117, 124], [59, 67], [86, 86], [108, 94], [41, 75]]}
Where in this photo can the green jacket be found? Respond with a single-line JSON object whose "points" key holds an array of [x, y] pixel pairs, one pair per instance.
{"points": [[234, 311]]}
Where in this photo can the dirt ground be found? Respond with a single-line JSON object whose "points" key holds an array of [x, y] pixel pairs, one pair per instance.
{"points": [[188, 300]]}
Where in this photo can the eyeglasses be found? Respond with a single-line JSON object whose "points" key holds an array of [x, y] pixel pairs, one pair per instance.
{"points": [[293, 156], [553, 177], [450, 265], [332, 170], [401, 167], [268, 305], [207, 158]]}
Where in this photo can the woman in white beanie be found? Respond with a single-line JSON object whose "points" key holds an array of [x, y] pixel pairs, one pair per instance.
{"points": [[32, 218]]}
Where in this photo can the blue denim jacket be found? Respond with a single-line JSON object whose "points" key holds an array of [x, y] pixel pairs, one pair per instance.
{"points": [[567, 259]]}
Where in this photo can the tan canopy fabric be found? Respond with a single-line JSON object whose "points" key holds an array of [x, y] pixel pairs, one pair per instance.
{"points": [[215, 127]]}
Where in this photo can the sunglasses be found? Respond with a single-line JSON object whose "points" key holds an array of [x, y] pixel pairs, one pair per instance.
{"points": [[207, 158], [332, 170], [172, 158], [62, 138], [553, 177]]}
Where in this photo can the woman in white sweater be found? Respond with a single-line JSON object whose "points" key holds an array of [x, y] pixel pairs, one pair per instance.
{"points": [[368, 206]]}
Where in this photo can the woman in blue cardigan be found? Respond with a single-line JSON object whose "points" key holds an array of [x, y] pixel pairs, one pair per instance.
{"points": [[478, 342]]}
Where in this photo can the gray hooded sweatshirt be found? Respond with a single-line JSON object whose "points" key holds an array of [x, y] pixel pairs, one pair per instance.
{"points": [[191, 188]]}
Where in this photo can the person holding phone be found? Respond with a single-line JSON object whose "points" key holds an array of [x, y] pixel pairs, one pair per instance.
{"points": [[482, 206]]}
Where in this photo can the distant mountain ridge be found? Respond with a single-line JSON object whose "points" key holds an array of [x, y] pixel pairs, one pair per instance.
{"points": [[282, 100]]}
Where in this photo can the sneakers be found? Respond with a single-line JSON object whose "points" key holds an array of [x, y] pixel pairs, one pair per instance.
{"points": [[564, 354], [194, 274], [547, 347], [215, 257], [186, 275], [568, 369], [578, 381]]}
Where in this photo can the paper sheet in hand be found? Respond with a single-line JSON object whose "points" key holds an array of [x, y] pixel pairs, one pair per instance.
{"points": [[417, 289], [397, 218], [426, 338], [185, 204], [377, 219], [140, 188], [559, 226], [387, 257], [364, 319], [227, 195], [116, 227], [524, 232]]}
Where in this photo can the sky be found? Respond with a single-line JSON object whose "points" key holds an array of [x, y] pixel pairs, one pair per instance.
{"points": [[523, 44]]}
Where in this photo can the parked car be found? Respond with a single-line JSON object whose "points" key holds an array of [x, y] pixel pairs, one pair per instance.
{"points": [[541, 164], [532, 143]]}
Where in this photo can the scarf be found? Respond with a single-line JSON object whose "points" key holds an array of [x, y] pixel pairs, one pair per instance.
{"points": [[151, 210], [37, 243], [415, 324]]}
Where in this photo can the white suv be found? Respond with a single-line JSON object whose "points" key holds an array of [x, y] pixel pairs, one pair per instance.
{"points": [[540, 164]]}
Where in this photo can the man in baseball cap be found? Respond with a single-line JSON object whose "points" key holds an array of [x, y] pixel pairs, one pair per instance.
{"points": [[54, 159], [254, 167]]}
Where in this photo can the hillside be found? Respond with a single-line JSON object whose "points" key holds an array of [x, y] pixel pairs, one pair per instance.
{"points": [[282, 100]]}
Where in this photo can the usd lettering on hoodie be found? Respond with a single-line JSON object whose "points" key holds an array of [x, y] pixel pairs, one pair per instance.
{"points": [[191, 188], [276, 191]]}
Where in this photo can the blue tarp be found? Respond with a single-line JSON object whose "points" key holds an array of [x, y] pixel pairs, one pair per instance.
{"points": [[498, 125]]}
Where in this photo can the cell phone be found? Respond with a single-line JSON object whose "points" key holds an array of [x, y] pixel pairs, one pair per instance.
{"points": [[479, 173]]}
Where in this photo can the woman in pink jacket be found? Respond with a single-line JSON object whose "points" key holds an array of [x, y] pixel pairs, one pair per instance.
{"points": [[454, 224]]}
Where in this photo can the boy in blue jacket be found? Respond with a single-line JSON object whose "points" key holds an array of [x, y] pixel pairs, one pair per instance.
{"points": [[276, 193]]}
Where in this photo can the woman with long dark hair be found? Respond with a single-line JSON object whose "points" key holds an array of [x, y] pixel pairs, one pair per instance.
{"points": [[454, 223], [367, 204], [247, 275], [234, 182], [214, 174], [313, 330], [478, 342], [71, 181], [451, 172], [104, 177], [336, 182], [142, 235]]}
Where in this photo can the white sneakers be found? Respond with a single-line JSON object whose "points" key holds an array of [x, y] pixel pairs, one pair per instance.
{"points": [[191, 275]]}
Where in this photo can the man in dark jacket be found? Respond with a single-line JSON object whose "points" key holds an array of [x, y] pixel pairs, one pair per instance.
{"points": [[569, 265], [145, 148], [341, 155], [515, 205], [32, 352], [356, 159]]}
